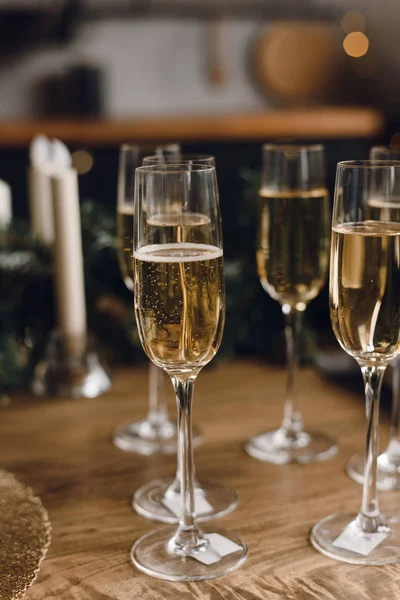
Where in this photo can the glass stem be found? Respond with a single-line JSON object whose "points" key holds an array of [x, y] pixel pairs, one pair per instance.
{"points": [[158, 414], [292, 423], [393, 449], [369, 517], [188, 534], [175, 487]]}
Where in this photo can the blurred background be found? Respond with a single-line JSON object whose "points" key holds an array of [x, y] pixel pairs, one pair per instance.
{"points": [[220, 77]]}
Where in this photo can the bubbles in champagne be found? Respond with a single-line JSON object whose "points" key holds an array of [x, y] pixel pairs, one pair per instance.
{"points": [[293, 244], [365, 289], [180, 303]]}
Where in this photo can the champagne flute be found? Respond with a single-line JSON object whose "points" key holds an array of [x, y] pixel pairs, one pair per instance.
{"points": [[292, 262], [365, 313], [160, 499], [156, 433], [388, 476], [180, 310]]}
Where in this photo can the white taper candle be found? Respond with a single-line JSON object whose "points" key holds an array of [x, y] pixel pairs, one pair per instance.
{"points": [[5, 204], [40, 204], [68, 257]]}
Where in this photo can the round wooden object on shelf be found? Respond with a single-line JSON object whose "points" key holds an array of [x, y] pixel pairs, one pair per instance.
{"points": [[297, 62]]}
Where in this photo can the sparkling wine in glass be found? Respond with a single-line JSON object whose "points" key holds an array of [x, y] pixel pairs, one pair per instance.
{"points": [[365, 313], [388, 476], [180, 311], [156, 433], [292, 262], [160, 499]]}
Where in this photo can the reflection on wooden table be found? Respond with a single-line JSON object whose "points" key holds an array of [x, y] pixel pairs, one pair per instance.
{"points": [[63, 450]]}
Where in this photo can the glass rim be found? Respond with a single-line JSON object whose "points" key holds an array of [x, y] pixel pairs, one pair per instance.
{"points": [[369, 164], [177, 167], [293, 147], [183, 157]]}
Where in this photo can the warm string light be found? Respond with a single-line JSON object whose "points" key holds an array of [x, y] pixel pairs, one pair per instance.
{"points": [[356, 44], [82, 161], [353, 21]]}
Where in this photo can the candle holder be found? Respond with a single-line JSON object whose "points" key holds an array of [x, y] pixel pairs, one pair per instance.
{"points": [[72, 368]]}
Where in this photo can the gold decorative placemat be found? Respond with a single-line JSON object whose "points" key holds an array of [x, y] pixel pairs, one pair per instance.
{"points": [[24, 536]]}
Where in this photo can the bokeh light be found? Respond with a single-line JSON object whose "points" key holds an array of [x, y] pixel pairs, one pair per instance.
{"points": [[353, 21], [82, 161], [356, 44]]}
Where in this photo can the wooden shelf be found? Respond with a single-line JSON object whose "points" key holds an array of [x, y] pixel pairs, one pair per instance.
{"points": [[316, 123]]}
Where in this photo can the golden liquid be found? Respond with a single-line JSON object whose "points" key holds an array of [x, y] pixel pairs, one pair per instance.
{"points": [[192, 228], [293, 244], [365, 289], [125, 243], [180, 303]]}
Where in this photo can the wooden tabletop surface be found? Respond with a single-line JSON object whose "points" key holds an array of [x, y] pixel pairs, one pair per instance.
{"points": [[330, 122], [62, 449]]}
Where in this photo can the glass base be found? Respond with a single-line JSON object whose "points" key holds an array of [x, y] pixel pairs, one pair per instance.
{"points": [[72, 368], [273, 447], [145, 438], [324, 534], [151, 554], [388, 473], [147, 501]]}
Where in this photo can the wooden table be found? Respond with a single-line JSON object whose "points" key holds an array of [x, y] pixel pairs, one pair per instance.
{"points": [[63, 449]]}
